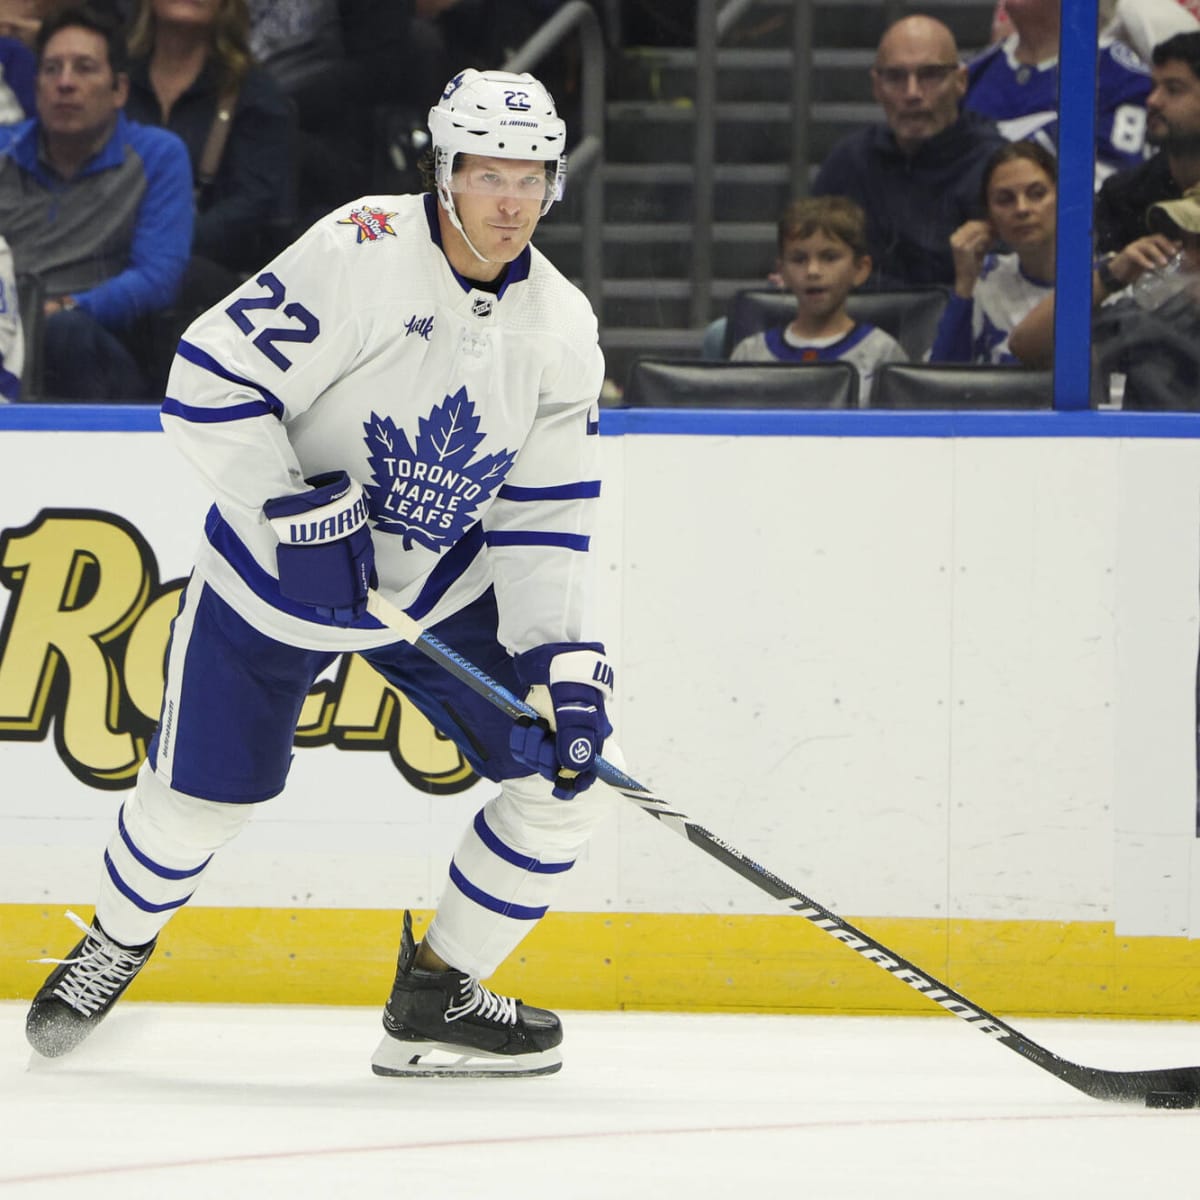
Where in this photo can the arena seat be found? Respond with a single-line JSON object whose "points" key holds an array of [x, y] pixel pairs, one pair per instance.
{"points": [[910, 316], [960, 385], [693, 383]]}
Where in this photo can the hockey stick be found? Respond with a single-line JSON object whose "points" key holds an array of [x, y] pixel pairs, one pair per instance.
{"points": [[1170, 1087]]}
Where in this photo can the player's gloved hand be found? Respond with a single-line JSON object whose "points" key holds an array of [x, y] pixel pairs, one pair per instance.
{"points": [[568, 685], [325, 556]]}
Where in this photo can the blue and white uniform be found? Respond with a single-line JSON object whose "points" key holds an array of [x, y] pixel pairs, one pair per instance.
{"points": [[469, 416], [1023, 100], [12, 334], [865, 348], [977, 330]]}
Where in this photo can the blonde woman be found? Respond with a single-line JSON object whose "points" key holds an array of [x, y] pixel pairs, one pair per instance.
{"points": [[191, 63]]}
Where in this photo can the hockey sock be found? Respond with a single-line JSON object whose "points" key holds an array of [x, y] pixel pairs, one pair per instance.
{"points": [[162, 845], [507, 870]]}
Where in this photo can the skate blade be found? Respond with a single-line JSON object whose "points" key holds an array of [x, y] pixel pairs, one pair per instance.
{"points": [[438, 1060]]}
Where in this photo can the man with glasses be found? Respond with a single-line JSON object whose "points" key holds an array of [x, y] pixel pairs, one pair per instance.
{"points": [[917, 173], [97, 206]]}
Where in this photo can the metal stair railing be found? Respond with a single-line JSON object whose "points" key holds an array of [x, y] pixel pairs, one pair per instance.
{"points": [[586, 158], [712, 24]]}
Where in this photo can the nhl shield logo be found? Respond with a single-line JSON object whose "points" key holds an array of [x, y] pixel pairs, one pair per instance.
{"points": [[481, 306]]}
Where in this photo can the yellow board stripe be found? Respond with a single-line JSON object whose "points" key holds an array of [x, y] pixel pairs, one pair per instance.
{"points": [[648, 961]]}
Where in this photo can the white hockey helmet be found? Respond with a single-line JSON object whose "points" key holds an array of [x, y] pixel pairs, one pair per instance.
{"points": [[499, 115]]}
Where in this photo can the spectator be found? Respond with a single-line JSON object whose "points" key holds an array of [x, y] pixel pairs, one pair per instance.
{"points": [[1140, 24], [993, 291], [294, 39], [1153, 339], [190, 64], [1015, 83], [823, 256], [1149, 335], [347, 68], [916, 176], [95, 205], [21, 19], [1173, 127], [12, 336], [18, 75]]}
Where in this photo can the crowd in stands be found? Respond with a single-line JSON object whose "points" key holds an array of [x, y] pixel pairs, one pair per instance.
{"points": [[957, 186], [154, 153]]}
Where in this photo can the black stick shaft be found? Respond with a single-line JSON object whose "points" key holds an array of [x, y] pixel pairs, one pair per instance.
{"points": [[1100, 1084]]}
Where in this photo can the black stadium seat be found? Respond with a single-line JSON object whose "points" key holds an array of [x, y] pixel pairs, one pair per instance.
{"points": [[960, 385], [692, 383], [911, 316]]}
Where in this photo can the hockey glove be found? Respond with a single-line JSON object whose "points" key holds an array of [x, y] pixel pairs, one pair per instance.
{"points": [[325, 556], [568, 685]]}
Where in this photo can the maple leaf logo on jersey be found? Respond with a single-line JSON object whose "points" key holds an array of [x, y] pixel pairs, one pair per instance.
{"points": [[370, 223], [428, 493]]}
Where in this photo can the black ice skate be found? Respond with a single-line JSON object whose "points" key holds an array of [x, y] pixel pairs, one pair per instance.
{"points": [[445, 1023], [81, 990]]}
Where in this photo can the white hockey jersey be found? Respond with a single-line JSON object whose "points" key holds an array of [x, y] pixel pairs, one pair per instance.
{"points": [[865, 348], [470, 418], [12, 336], [977, 330]]}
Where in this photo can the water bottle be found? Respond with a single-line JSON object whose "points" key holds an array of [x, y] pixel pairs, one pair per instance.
{"points": [[1152, 289]]}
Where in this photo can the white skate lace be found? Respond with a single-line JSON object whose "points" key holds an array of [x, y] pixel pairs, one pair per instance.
{"points": [[99, 970], [475, 998]]}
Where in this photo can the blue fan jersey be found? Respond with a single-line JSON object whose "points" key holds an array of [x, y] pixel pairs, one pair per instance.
{"points": [[1023, 100]]}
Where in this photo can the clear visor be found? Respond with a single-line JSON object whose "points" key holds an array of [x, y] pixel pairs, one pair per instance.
{"points": [[518, 183]]}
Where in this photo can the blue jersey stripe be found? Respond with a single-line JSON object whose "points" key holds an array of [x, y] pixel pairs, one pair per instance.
{"points": [[209, 416], [10, 385], [205, 361], [587, 489], [506, 852], [150, 865], [568, 541], [518, 912], [132, 896], [449, 569]]}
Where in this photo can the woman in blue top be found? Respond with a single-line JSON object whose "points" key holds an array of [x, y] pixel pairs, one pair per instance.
{"points": [[1004, 262]]}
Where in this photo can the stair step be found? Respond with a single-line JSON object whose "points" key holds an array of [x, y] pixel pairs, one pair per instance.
{"points": [[663, 249], [663, 303], [643, 131], [745, 74], [858, 23], [645, 192]]}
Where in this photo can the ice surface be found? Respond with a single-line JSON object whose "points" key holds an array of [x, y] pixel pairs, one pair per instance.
{"points": [[225, 1102]]}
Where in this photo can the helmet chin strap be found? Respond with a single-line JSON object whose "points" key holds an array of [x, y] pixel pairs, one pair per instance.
{"points": [[447, 202]]}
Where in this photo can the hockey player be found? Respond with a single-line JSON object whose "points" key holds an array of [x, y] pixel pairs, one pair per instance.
{"points": [[404, 398]]}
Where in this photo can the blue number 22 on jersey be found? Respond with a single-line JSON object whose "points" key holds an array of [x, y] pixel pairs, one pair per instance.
{"points": [[265, 339]]}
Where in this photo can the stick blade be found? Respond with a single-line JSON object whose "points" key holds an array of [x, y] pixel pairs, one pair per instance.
{"points": [[1136, 1087]]}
